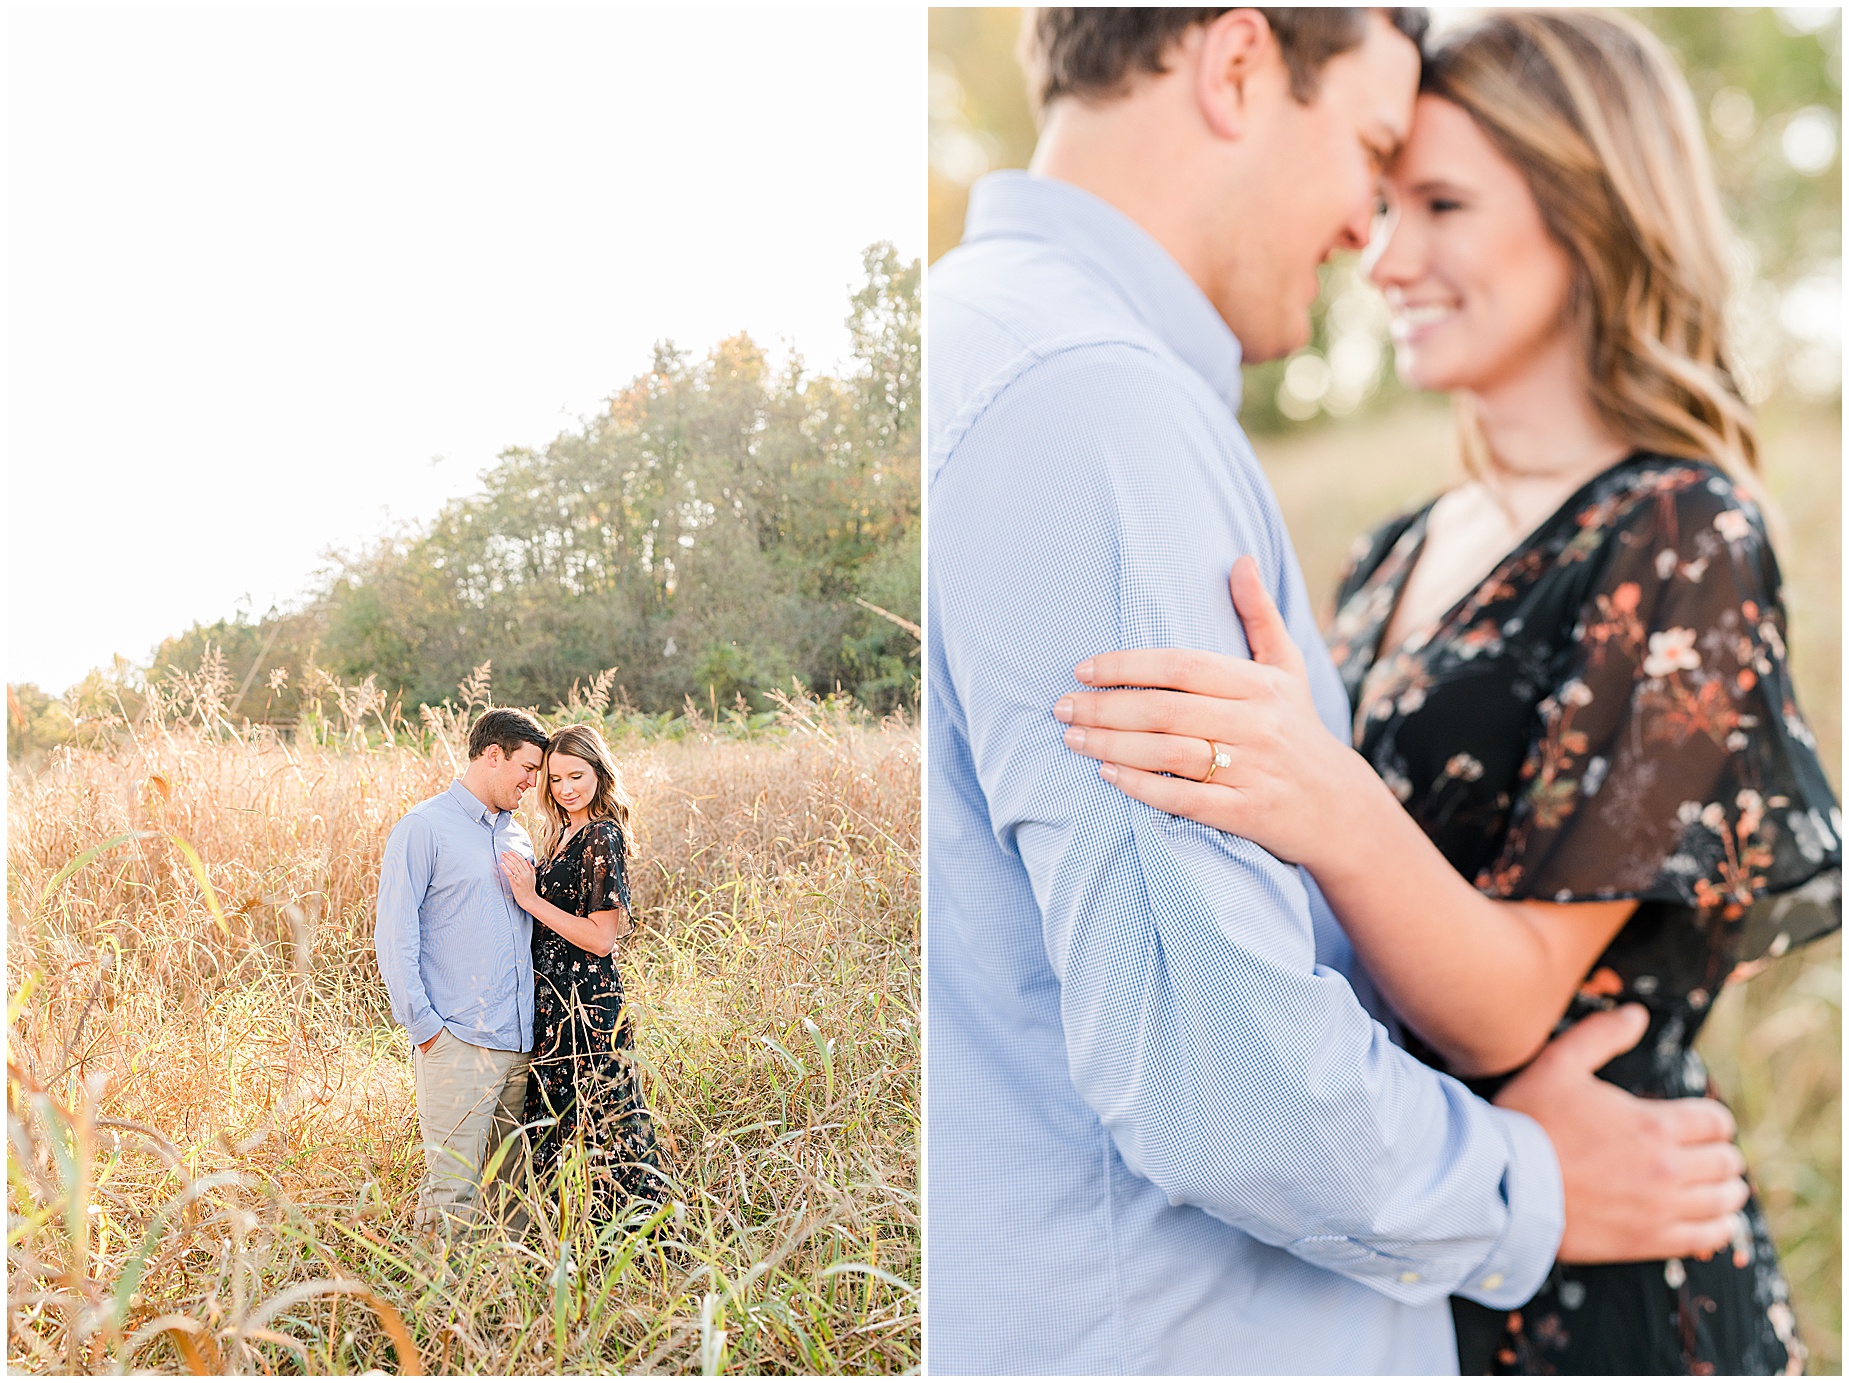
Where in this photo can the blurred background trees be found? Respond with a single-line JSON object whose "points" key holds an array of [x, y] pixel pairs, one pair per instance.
{"points": [[1345, 446], [710, 534], [1769, 82]]}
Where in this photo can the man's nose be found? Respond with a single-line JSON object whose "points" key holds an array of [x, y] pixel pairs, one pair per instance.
{"points": [[1388, 258], [1356, 229]]}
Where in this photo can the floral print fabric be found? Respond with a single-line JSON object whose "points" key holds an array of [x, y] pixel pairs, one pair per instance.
{"points": [[1609, 715], [583, 1074]]}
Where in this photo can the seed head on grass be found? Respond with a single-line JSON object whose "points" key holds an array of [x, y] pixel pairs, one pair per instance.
{"points": [[214, 1154]]}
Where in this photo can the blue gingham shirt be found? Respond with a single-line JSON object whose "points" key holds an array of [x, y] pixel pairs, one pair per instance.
{"points": [[1164, 1133], [454, 947]]}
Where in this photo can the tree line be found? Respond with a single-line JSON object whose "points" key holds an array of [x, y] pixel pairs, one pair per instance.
{"points": [[726, 524]]}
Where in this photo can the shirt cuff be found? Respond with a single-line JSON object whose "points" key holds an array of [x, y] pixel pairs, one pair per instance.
{"points": [[425, 1028], [1518, 1265]]}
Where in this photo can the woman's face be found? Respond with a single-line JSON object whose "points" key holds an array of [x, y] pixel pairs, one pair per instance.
{"points": [[1478, 288], [571, 781]]}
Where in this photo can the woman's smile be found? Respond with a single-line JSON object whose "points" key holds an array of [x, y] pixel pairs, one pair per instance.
{"points": [[1413, 321]]}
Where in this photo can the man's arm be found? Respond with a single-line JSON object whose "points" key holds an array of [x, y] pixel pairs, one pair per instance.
{"points": [[404, 878], [1088, 509]]}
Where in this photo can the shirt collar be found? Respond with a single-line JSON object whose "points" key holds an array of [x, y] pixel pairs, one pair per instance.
{"points": [[1122, 254], [473, 806]]}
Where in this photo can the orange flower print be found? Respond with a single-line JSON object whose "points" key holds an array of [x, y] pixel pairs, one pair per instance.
{"points": [[1617, 623], [1602, 983]]}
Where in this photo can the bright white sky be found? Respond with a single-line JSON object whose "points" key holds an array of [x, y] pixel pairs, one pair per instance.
{"points": [[263, 266]]}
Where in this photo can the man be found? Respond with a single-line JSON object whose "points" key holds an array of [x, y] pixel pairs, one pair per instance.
{"points": [[456, 953], [1165, 1135]]}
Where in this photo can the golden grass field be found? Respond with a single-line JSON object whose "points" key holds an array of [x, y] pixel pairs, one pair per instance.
{"points": [[214, 1150], [213, 1146], [1773, 1044]]}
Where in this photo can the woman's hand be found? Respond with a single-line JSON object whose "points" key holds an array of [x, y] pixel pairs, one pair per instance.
{"points": [[1286, 783], [519, 872]]}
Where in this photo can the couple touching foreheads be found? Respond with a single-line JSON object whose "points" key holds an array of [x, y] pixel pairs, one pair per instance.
{"points": [[1267, 1041], [500, 961]]}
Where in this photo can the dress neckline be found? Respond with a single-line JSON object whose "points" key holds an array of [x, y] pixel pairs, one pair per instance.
{"points": [[570, 842], [1411, 543]]}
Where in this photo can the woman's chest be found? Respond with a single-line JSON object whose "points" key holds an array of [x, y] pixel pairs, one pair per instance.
{"points": [[561, 879], [1448, 717], [1459, 544]]}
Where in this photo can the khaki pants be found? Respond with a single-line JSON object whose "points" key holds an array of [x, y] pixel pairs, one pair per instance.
{"points": [[469, 1099]]}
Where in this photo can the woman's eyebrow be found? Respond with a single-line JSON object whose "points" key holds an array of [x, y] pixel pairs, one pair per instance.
{"points": [[1429, 187]]}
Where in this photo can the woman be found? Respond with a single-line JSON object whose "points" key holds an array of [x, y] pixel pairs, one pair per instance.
{"points": [[584, 1080], [1581, 775]]}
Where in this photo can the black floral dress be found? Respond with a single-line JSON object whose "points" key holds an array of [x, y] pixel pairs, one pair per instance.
{"points": [[584, 1075], [1609, 716]]}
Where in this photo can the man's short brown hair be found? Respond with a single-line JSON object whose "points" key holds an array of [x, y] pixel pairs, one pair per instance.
{"points": [[1091, 53], [507, 729]]}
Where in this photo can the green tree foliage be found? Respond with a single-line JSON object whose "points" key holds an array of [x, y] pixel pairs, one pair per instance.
{"points": [[1768, 85], [707, 534]]}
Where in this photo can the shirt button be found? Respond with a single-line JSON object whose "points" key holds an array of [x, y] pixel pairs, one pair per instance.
{"points": [[1409, 1276], [1492, 1282]]}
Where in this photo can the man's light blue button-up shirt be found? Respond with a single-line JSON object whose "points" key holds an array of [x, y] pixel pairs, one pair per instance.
{"points": [[454, 947], [1164, 1133]]}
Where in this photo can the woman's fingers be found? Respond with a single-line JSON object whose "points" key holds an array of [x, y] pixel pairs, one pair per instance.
{"points": [[1211, 674], [1208, 804], [1182, 669], [1159, 713], [1266, 634], [1182, 755]]}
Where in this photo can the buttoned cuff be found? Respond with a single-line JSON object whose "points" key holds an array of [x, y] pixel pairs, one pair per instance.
{"points": [[1518, 1265], [425, 1028]]}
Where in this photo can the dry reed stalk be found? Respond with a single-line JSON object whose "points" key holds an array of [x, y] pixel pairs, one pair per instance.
{"points": [[213, 1133]]}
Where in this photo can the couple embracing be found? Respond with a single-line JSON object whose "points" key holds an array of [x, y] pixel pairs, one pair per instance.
{"points": [[1327, 1007], [500, 961]]}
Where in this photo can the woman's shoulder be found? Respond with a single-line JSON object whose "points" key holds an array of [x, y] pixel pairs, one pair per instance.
{"points": [[1689, 488], [603, 830], [1678, 513]]}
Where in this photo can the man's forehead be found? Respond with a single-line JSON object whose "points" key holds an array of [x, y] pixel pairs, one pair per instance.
{"points": [[529, 756], [1380, 78]]}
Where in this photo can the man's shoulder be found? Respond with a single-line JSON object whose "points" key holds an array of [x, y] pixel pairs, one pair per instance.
{"points": [[1020, 331], [421, 820], [1094, 403], [999, 305]]}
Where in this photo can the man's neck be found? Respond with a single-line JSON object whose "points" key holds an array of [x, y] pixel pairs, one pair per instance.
{"points": [[479, 792], [1123, 153]]}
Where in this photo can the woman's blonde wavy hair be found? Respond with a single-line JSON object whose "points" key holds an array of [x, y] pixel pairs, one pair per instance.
{"points": [[1593, 112], [610, 803]]}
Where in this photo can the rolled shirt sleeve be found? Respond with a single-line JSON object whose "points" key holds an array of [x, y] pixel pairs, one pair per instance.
{"points": [[1230, 1069], [404, 878]]}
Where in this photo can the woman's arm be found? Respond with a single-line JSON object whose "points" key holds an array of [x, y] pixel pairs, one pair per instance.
{"points": [[1483, 981], [597, 933]]}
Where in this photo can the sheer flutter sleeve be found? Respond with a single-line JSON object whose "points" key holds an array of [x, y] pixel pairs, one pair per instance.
{"points": [[1671, 763], [605, 868]]}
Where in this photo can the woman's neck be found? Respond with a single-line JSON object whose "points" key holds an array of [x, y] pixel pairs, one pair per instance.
{"points": [[1543, 437]]}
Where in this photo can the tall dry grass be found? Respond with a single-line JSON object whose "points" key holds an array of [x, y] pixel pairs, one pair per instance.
{"points": [[214, 1149]]}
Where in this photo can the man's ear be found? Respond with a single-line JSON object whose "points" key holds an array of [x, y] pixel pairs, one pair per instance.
{"points": [[1239, 63]]}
